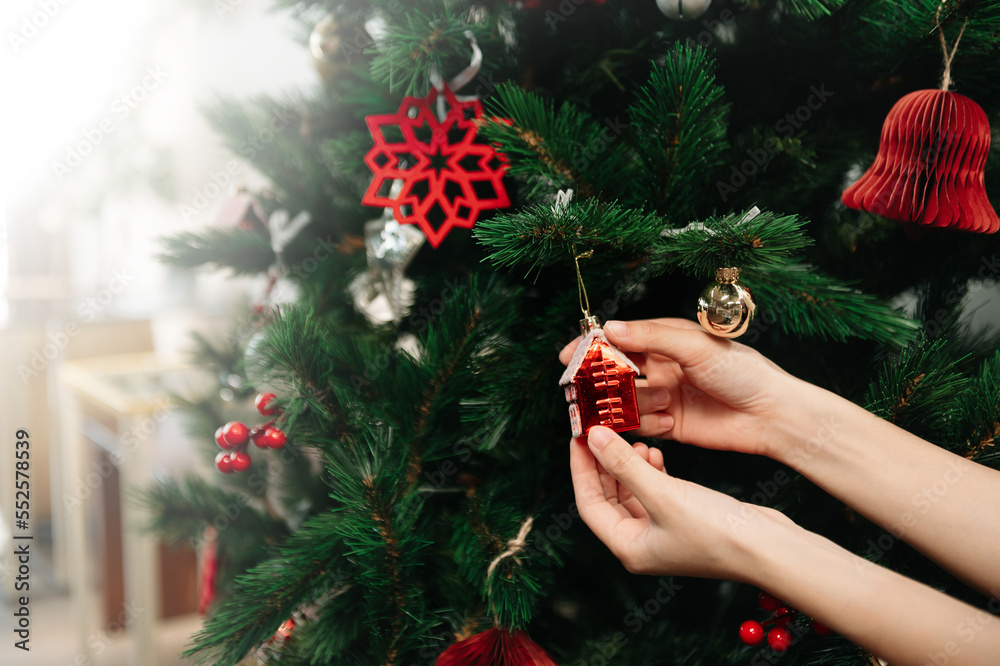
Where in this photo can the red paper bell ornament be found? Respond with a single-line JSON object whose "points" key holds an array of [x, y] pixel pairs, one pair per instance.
{"points": [[449, 174], [495, 647], [929, 167]]}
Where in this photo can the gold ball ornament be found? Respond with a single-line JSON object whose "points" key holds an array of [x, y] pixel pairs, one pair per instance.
{"points": [[324, 46], [726, 308]]}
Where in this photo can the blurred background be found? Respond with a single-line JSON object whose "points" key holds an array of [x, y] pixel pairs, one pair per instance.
{"points": [[106, 150]]}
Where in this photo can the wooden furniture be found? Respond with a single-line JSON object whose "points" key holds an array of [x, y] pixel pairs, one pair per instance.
{"points": [[113, 410]]}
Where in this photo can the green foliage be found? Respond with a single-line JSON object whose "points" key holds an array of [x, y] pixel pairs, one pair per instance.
{"points": [[980, 409], [428, 35], [242, 252], [180, 512], [811, 9], [804, 301], [305, 567], [919, 391], [746, 240], [679, 119], [554, 149], [543, 235]]}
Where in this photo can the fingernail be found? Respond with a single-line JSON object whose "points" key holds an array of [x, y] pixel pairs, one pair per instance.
{"points": [[661, 398], [598, 437], [666, 422], [618, 328]]}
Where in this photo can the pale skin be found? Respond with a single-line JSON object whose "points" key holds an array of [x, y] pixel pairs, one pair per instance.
{"points": [[719, 394]]}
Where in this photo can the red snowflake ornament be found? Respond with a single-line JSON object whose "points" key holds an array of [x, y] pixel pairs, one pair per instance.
{"points": [[448, 176]]}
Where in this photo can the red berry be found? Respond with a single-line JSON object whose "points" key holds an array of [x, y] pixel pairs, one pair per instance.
{"points": [[223, 462], [235, 434], [821, 629], [259, 438], [779, 639], [262, 402], [220, 440], [275, 438], [751, 632], [768, 602], [240, 461], [285, 630]]}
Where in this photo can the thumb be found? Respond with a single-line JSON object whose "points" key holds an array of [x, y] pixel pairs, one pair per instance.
{"points": [[629, 469]]}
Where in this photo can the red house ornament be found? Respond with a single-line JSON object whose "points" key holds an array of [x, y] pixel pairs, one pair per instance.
{"points": [[600, 384]]}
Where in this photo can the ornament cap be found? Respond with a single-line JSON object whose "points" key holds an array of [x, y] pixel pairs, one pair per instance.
{"points": [[727, 275], [589, 323]]}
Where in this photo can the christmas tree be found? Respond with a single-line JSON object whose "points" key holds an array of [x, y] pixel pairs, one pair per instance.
{"points": [[409, 487]]}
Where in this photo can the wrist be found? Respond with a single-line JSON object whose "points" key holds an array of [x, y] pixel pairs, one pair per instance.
{"points": [[810, 419]]}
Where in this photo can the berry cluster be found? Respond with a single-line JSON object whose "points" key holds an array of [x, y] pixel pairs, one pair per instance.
{"points": [[233, 438], [779, 637]]}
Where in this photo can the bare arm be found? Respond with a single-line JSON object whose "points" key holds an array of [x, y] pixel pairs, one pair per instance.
{"points": [[658, 524], [943, 505]]}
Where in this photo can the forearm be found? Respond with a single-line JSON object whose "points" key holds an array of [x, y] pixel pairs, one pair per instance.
{"points": [[894, 617], [941, 504]]}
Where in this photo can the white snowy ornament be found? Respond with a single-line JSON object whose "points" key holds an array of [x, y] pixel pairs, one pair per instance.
{"points": [[683, 10]]}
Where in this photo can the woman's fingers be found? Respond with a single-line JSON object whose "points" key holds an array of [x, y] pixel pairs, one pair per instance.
{"points": [[652, 399], [657, 424], [600, 515], [686, 346], [656, 460], [628, 467]]}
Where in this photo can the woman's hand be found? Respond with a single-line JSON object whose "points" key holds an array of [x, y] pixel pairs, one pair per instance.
{"points": [[658, 524], [700, 389]]}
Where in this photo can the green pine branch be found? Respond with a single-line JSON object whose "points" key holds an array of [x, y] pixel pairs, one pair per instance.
{"points": [[242, 252], [553, 149], [765, 240], [805, 302], [543, 235], [810, 9], [181, 510], [981, 410], [920, 391], [679, 119], [305, 567], [426, 36]]}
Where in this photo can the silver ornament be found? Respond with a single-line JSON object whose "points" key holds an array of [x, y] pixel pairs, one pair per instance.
{"points": [[683, 10], [726, 308], [383, 293]]}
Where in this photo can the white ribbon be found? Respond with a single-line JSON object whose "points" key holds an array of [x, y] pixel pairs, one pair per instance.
{"points": [[700, 226], [460, 80], [284, 228]]}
